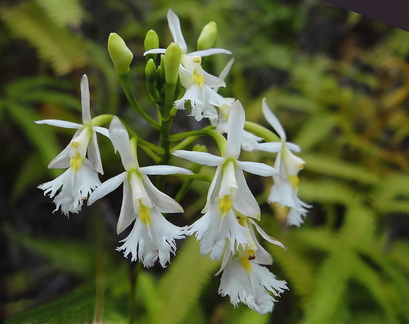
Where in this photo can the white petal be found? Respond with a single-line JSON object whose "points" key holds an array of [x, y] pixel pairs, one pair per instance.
{"points": [[85, 100], [202, 158], [94, 154], [226, 69], [120, 139], [213, 231], [62, 160], [235, 129], [214, 186], [148, 244], [258, 168], [175, 30], [265, 236], [210, 51], [139, 190], [213, 81], [186, 77], [163, 202], [101, 130], [271, 147], [250, 141], [229, 184], [293, 147], [244, 202], [59, 123], [253, 288], [226, 259], [155, 51], [107, 187], [273, 121], [164, 170], [127, 214]]}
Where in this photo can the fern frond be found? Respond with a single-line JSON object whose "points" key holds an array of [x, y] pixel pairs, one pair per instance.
{"points": [[377, 288], [315, 130], [397, 277], [54, 44], [358, 227], [392, 194], [327, 303], [182, 284], [326, 165], [63, 12], [326, 191], [298, 271]]}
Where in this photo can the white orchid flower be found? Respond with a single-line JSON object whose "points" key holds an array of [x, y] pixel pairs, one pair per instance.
{"points": [[228, 193], [245, 280], [244, 277], [198, 83], [285, 188], [152, 236], [249, 142], [199, 89], [81, 157], [178, 38], [84, 141], [76, 184]]}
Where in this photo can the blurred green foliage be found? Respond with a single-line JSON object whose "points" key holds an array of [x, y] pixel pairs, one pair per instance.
{"points": [[339, 83]]}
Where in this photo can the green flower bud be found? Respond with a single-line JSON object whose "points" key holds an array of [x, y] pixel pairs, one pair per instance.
{"points": [[207, 36], [120, 54], [172, 60], [151, 40], [150, 71]]}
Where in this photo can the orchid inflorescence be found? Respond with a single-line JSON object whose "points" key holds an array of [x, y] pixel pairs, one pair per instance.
{"points": [[227, 230]]}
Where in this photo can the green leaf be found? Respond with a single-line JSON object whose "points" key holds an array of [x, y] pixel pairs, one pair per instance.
{"points": [[76, 307], [66, 255]]}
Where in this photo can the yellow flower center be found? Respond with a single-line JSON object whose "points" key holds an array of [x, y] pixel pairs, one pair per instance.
{"points": [[294, 181], [198, 79], [145, 214], [225, 204], [245, 262], [76, 162]]}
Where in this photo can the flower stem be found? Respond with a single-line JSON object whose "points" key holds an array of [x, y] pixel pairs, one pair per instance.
{"points": [[125, 80], [261, 131]]}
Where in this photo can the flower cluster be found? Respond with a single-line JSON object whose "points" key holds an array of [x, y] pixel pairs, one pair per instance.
{"points": [[228, 230]]}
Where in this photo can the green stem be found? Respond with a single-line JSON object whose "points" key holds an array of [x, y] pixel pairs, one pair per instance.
{"points": [[184, 143], [261, 131], [102, 119], [189, 180], [208, 131], [125, 80]]}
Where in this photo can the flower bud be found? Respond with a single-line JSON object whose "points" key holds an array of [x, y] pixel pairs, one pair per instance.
{"points": [[151, 40], [207, 36], [150, 71], [172, 60], [120, 54]]}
